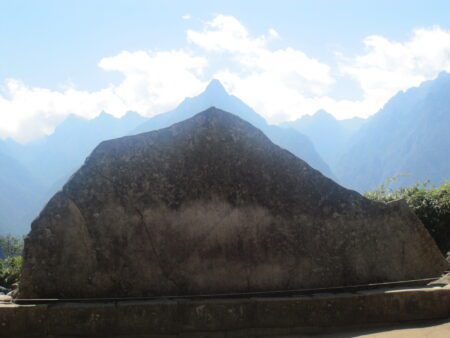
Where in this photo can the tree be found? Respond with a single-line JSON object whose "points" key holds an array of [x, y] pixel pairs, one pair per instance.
{"points": [[11, 246]]}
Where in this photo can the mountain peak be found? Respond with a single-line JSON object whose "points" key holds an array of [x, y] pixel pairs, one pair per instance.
{"points": [[444, 75], [323, 113], [104, 116], [215, 88], [132, 115], [322, 116], [215, 95], [441, 83]]}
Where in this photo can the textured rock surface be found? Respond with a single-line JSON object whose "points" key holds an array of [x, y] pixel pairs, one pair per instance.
{"points": [[211, 205]]}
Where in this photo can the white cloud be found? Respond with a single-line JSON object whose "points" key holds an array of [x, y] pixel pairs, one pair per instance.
{"points": [[27, 113], [390, 66], [186, 17], [224, 33], [284, 84], [274, 82], [280, 83], [153, 83]]}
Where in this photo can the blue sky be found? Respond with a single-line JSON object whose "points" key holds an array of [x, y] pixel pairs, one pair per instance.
{"points": [[81, 57]]}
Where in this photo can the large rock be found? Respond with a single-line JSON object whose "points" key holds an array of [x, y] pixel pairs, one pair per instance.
{"points": [[210, 205]]}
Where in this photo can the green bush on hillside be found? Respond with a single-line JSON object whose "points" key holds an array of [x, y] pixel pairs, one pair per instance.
{"points": [[10, 266], [431, 204]]}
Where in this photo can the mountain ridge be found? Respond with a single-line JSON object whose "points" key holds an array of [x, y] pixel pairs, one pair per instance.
{"points": [[329, 135], [216, 95], [408, 138]]}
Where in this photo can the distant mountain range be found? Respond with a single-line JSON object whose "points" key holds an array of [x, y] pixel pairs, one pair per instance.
{"points": [[407, 141], [329, 136], [410, 135], [19, 194], [30, 174]]}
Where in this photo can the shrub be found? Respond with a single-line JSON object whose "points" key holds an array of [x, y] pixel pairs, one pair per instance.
{"points": [[10, 268], [11, 263], [431, 204]]}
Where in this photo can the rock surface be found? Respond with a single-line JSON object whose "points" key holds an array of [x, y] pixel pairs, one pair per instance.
{"points": [[210, 205]]}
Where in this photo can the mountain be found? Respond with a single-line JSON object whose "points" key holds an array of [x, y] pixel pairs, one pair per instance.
{"points": [[64, 151], [31, 173], [19, 195], [329, 136], [215, 95], [352, 125], [210, 205], [409, 136]]}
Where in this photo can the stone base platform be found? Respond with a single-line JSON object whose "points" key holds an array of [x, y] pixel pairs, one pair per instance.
{"points": [[250, 317]]}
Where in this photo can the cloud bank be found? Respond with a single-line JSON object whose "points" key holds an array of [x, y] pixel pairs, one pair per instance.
{"points": [[280, 83]]}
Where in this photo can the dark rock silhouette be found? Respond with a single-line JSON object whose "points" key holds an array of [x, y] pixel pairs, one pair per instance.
{"points": [[211, 205]]}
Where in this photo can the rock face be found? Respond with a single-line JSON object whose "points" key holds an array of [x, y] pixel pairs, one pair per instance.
{"points": [[210, 205]]}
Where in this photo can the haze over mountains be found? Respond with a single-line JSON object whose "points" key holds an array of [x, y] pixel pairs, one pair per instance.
{"points": [[31, 173], [19, 195], [409, 135], [329, 136]]}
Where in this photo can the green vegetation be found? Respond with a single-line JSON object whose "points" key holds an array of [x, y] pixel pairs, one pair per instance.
{"points": [[431, 204], [10, 271], [11, 263]]}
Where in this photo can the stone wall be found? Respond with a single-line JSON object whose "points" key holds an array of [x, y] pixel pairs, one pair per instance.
{"points": [[225, 317]]}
